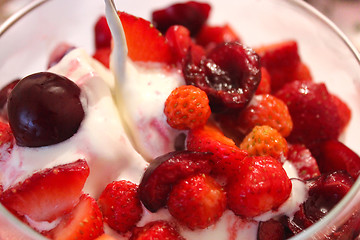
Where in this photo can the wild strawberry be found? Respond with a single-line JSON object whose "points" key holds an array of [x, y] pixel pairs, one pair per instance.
{"points": [[281, 60], [226, 156], [313, 112], [265, 82], [343, 111], [181, 44], [120, 205], [48, 194], [156, 230], [103, 56], [266, 110], [144, 41], [102, 33], [165, 171], [265, 141], [210, 36], [197, 202], [187, 107], [304, 162], [191, 15], [333, 155], [84, 222], [262, 185]]}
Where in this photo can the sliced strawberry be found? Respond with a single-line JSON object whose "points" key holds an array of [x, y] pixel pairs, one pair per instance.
{"points": [[210, 36], [190, 14], [302, 73], [84, 222], [105, 237], [261, 185], [167, 170], [333, 155], [156, 230], [226, 156], [144, 41], [48, 194], [343, 110], [103, 56], [314, 114], [265, 82], [281, 60], [120, 205], [303, 161], [197, 201], [102, 33]]}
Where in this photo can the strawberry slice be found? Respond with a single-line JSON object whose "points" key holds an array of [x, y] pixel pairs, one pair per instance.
{"points": [[209, 36], [144, 41], [48, 194], [156, 230], [343, 110], [82, 223], [103, 56]]}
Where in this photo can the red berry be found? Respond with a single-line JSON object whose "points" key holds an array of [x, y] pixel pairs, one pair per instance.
{"points": [[265, 82], [187, 107], [261, 185], [304, 162], [103, 56], [313, 112], [333, 155], [191, 15], [84, 222], [230, 75], [343, 111], [226, 156], [197, 202], [144, 41], [102, 34], [165, 171], [266, 110], [210, 36], [156, 230], [48, 194], [281, 60], [120, 205], [265, 141]]}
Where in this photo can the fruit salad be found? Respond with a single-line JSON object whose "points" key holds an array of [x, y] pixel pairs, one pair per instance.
{"points": [[202, 136]]}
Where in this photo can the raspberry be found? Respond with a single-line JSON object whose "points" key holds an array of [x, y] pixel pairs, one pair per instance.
{"points": [[120, 205], [197, 202], [266, 110], [265, 141], [187, 107]]}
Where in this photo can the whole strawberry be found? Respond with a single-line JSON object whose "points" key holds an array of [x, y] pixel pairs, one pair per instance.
{"points": [[156, 230], [265, 141], [262, 185], [314, 114], [187, 107], [120, 205], [197, 202], [266, 110]]}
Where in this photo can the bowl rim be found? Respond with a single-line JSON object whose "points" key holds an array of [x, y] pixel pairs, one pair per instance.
{"points": [[309, 233]]}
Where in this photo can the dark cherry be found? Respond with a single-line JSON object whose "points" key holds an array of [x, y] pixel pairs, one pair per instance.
{"points": [[4, 95], [191, 14], [167, 170], [271, 230], [44, 109], [230, 75]]}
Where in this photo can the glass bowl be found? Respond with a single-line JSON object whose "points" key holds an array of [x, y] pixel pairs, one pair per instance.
{"points": [[28, 37]]}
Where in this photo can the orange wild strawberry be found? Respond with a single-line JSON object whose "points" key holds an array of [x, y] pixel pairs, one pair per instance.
{"points": [[144, 41], [266, 110], [187, 107], [197, 202], [83, 223], [120, 205], [265, 141], [262, 185]]}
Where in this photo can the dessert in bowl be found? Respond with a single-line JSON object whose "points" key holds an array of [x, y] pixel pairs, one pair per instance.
{"points": [[320, 46]]}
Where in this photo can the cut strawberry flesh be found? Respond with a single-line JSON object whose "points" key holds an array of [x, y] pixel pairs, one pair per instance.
{"points": [[48, 194], [165, 171]]}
